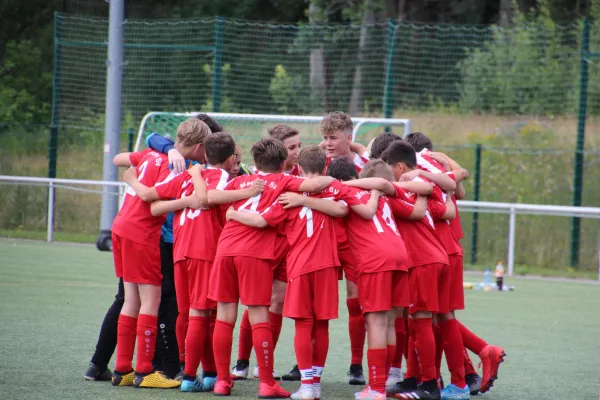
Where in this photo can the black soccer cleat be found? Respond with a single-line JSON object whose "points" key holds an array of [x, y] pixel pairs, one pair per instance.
{"points": [[474, 383], [293, 375], [94, 373], [406, 386], [425, 391], [356, 375]]}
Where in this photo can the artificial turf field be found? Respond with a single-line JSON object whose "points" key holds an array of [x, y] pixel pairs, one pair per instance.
{"points": [[53, 298]]}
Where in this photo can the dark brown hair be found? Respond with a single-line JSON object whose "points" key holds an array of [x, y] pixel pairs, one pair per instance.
{"points": [[312, 160], [219, 147], [269, 154]]}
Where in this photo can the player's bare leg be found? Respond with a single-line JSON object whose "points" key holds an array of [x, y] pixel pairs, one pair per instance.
{"points": [[356, 330], [222, 341]]}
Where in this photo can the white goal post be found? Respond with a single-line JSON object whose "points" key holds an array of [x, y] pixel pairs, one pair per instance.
{"points": [[277, 119]]}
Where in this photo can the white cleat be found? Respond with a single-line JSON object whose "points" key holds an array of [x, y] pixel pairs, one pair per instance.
{"points": [[395, 376], [239, 372], [317, 390], [306, 392], [276, 376]]}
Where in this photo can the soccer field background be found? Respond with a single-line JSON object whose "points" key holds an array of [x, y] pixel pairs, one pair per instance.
{"points": [[53, 298]]}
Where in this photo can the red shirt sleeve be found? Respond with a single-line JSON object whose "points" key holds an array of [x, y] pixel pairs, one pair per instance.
{"points": [[400, 208], [292, 183], [170, 189], [274, 215], [436, 209], [135, 158]]}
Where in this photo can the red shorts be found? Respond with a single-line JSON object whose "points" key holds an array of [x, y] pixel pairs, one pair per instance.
{"points": [[312, 295], [192, 277], [457, 291], [282, 248], [242, 278], [424, 282], [380, 291], [136, 262], [348, 266]]}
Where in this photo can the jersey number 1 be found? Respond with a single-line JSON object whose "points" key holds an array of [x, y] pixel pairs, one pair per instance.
{"points": [[387, 218]]}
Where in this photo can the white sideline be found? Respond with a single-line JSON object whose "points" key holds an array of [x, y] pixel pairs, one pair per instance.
{"points": [[464, 205]]}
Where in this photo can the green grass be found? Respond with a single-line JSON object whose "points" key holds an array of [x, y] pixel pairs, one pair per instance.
{"points": [[53, 298], [42, 235]]}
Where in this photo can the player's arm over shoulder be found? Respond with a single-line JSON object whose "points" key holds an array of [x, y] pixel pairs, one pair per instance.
{"points": [[246, 218], [325, 206]]}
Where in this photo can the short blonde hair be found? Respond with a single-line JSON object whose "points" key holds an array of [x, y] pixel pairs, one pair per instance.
{"points": [[377, 168], [192, 131], [337, 121]]}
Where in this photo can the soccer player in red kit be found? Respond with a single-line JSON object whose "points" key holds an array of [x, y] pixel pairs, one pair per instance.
{"points": [[312, 291], [336, 128], [136, 253], [290, 138], [242, 270], [491, 356]]}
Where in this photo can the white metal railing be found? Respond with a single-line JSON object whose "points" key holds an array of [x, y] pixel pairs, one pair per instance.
{"points": [[465, 206], [358, 121]]}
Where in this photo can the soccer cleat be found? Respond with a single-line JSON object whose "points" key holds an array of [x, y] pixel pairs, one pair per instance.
{"points": [[395, 376], [240, 370], [491, 358], [474, 383], [369, 394], [208, 383], [276, 376], [192, 386], [425, 391], [119, 379], [154, 380], [406, 386], [272, 392], [356, 375], [305, 392], [179, 376], [441, 382], [94, 373], [453, 392], [317, 390], [293, 375], [222, 388]]}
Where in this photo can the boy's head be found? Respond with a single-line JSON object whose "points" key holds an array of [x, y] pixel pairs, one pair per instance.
{"points": [[419, 141], [312, 161], [343, 169], [212, 124], [236, 166], [401, 157], [290, 138], [191, 134], [220, 150], [336, 128], [269, 155], [377, 168], [382, 142]]}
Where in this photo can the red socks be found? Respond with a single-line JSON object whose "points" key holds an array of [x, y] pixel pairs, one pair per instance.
{"points": [[400, 343], [320, 344], [126, 332], [439, 349], [425, 347], [222, 340], [146, 342], [469, 367], [453, 347], [208, 357], [181, 327], [245, 340], [303, 346], [470, 340], [262, 338], [357, 330], [376, 359], [276, 320], [194, 344], [413, 369]]}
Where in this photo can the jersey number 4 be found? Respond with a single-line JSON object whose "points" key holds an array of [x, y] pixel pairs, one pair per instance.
{"points": [[387, 218]]}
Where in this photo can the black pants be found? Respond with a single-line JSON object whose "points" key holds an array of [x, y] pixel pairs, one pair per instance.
{"points": [[499, 283], [166, 357]]}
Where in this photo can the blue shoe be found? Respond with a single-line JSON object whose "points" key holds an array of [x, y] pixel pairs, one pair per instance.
{"points": [[453, 392], [191, 386], [208, 383]]}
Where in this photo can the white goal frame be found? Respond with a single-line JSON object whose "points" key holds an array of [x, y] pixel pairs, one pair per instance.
{"points": [[358, 121]]}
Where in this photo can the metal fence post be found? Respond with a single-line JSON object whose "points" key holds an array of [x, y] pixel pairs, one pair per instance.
{"points": [[217, 64], [476, 186], [130, 140], [388, 94], [512, 226], [50, 216]]}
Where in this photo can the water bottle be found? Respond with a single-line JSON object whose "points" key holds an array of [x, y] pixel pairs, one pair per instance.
{"points": [[487, 277]]}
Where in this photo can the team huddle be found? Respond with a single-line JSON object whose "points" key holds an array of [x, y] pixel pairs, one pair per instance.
{"points": [[276, 238]]}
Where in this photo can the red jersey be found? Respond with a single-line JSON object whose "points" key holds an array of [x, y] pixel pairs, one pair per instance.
{"points": [[241, 240], [422, 243], [375, 243], [359, 161], [427, 163], [135, 221], [311, 234], [196, 232]]}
